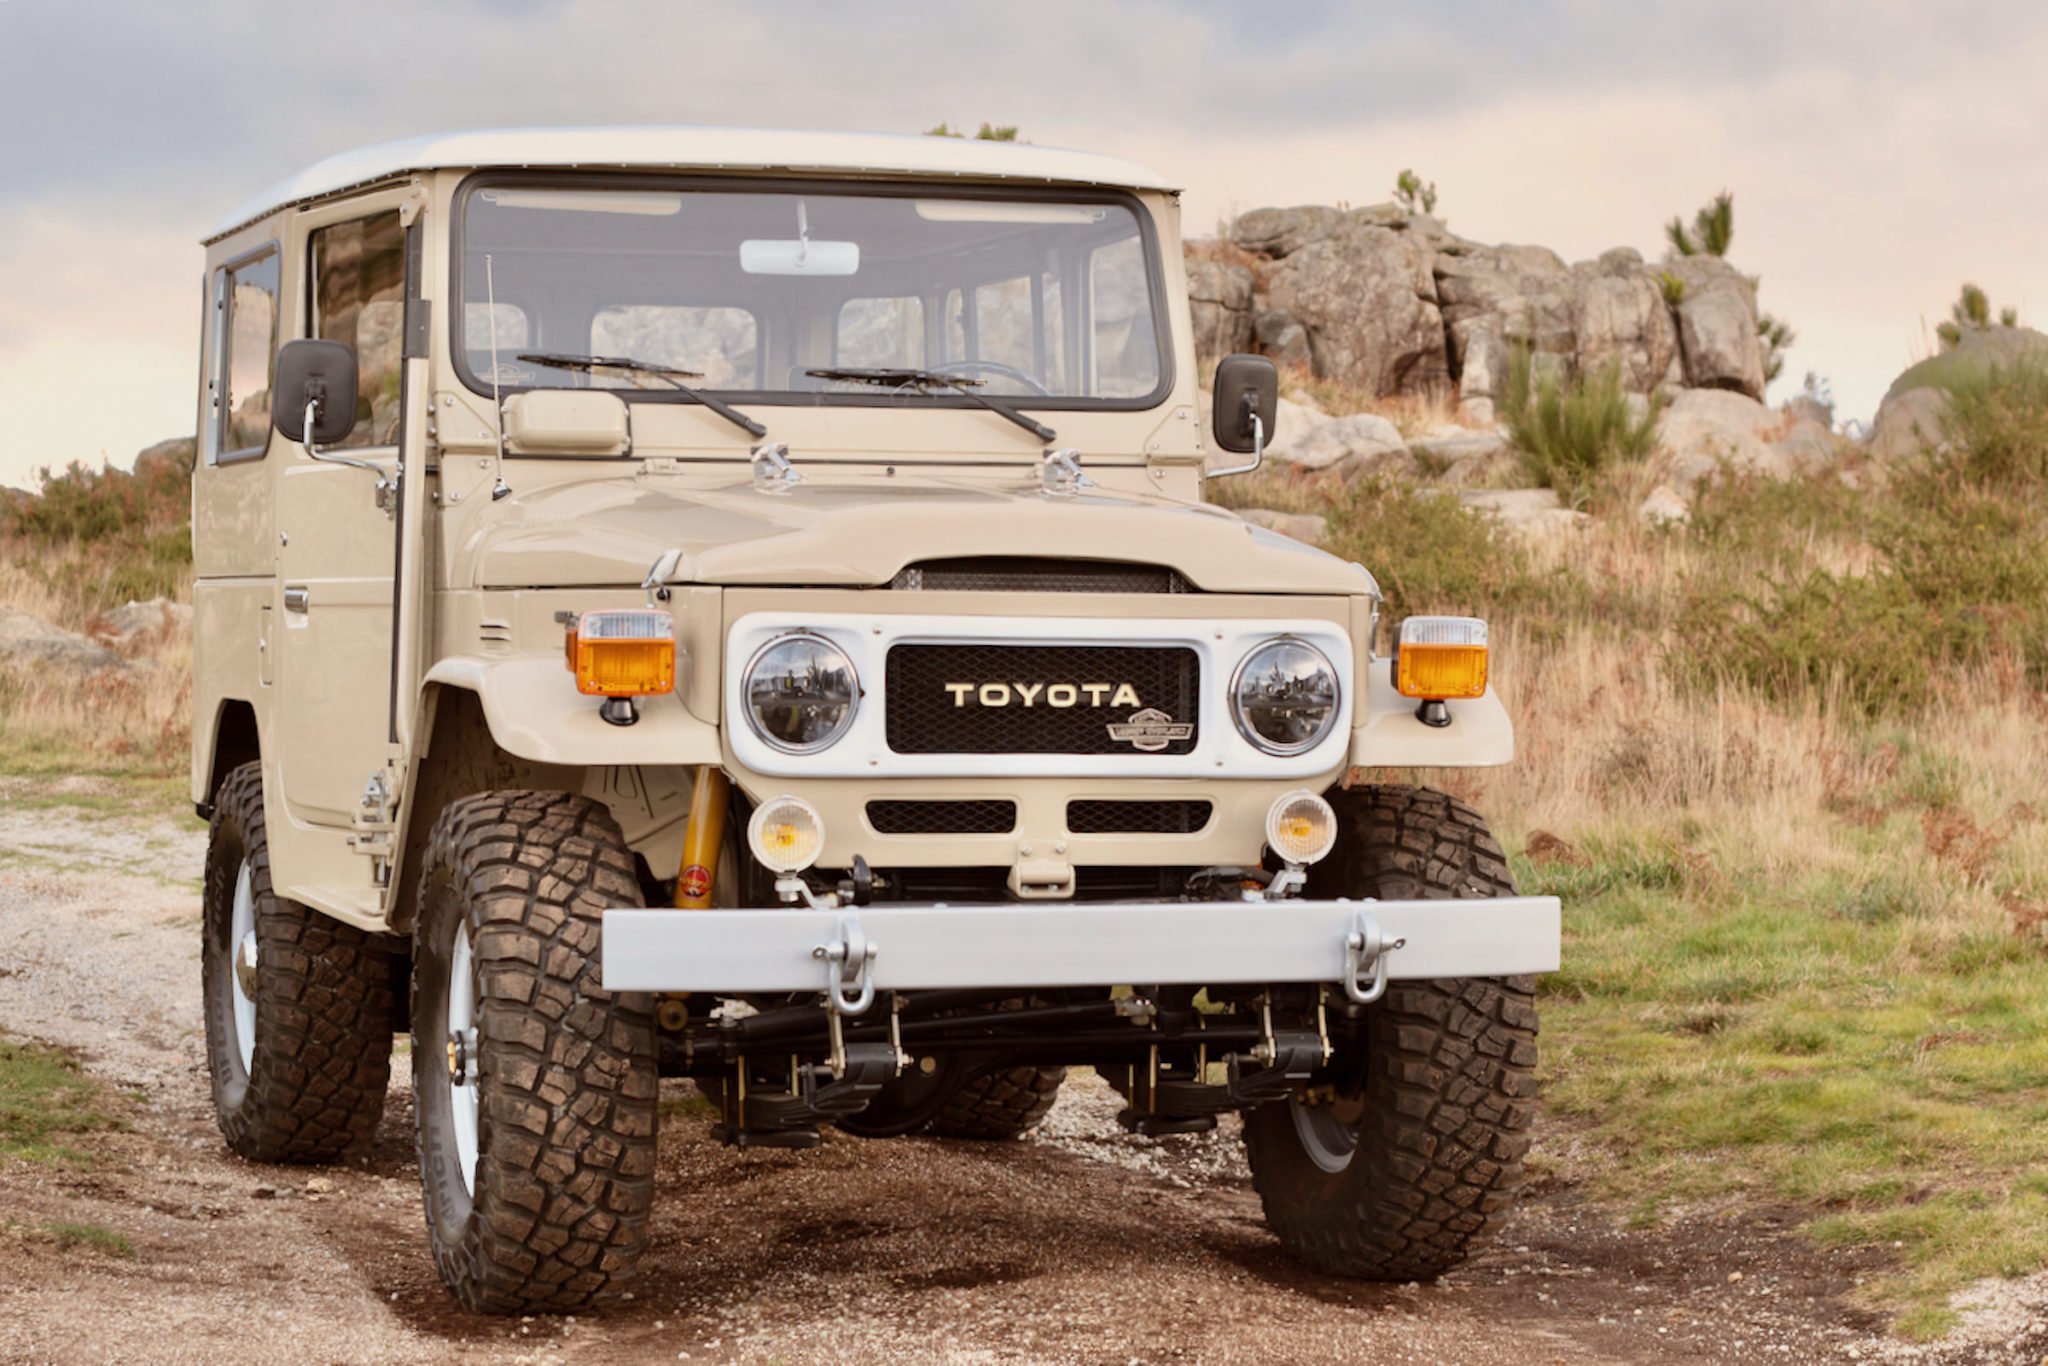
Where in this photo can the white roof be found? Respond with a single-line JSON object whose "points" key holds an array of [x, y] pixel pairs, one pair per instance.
{"points": [[747, 149]]}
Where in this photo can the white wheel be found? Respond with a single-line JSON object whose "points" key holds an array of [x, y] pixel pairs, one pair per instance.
{"points": [[463, 1096], [242, 935]]}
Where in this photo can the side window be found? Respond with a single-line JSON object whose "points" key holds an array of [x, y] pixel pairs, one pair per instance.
{"points": [[880, 333], [359, 299], [718, 343], [250, 298], [1126, 351]]}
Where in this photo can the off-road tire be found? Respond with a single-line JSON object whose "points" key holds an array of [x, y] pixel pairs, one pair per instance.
{"points": [[566, 1078], [1447, 1077], [1000, 1106], [325, 1006]]}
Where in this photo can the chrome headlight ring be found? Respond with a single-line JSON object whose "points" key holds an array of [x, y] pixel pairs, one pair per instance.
{"points": [[1274, 651], [803, 707]]}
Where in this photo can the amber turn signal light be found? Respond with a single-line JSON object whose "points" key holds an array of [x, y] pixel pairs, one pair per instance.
{"points": [[630, 653], [1436, 658]]}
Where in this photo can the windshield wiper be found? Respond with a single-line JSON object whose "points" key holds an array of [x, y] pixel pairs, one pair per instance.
{"points": [[668, 374], [924, 379]]}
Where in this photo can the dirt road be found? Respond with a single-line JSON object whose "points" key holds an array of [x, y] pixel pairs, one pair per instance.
{"points": [[1082, 1244]]}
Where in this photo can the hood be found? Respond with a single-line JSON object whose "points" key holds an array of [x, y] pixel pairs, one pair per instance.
{"points": [[859, 530]]}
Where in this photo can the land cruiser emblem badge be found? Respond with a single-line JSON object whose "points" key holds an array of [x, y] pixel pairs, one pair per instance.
{"points": [[1151, 730]]}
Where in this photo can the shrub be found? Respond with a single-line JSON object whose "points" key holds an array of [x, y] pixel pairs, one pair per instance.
{"points": [[1961, 579], [1429, 552], [1573, 430]]}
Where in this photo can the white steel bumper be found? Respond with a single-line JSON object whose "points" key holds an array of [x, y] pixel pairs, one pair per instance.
{"points": [[912, 948]]}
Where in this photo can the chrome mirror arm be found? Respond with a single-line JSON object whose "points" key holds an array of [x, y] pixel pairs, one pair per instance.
{"points": [[386, 481], [1258, 450]]}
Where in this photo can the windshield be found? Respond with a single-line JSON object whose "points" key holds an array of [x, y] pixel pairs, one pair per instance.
{"points": [[1048, 302]]}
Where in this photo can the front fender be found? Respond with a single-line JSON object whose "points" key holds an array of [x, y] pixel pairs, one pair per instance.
{"points": [[1391, 735], [534, 712]]}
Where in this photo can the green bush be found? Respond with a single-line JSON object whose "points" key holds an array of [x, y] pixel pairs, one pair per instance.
{"points": [[1429, 552], [1571, 431], [1961, 575]]}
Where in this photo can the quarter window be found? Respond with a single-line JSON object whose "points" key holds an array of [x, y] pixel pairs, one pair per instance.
{"points": [[359, 299], [250, 298]]}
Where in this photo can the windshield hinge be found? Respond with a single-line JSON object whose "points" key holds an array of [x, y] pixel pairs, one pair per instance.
{"points": [[773, 473], [1059, 473]]}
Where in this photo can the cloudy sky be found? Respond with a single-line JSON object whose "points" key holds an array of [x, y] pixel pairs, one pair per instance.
{"points": [[1880, 152]]}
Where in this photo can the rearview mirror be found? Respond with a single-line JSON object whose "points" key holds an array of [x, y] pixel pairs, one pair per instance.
{"points": [[1246, 386], [798, 256], [315, 376]]}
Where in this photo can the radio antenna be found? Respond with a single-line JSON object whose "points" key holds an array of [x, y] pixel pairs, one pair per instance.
{"points": [[500, 488]]}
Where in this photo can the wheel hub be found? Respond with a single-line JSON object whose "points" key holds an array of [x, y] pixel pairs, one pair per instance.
{"points": [[461, 1057], [245, 965]]}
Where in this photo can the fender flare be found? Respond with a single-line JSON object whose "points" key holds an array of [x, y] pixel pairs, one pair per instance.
{"points": [[1390, 735], [534, 712]]}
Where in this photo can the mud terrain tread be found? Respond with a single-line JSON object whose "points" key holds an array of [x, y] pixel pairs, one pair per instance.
{"points": [[1000, 1106], [325, 1005], [1450, 1069], [565, 1177]]}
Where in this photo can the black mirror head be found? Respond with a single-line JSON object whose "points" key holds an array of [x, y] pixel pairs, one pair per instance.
{"points": [[322, 372], [1245, 385]]}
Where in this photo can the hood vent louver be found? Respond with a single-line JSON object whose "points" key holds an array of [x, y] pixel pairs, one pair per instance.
{"points": [[1027, 574]]}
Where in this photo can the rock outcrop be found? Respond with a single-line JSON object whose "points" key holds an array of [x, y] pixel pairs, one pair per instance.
{"points": [[27, 640], [1395, 304], [1910, 417]]}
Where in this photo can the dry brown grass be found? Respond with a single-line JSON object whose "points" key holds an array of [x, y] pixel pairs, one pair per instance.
{"points": [[134, 719]]}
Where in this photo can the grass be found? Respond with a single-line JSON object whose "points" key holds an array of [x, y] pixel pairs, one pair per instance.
{"points": [[45, 1100], [90, 1238], [85, 542]]}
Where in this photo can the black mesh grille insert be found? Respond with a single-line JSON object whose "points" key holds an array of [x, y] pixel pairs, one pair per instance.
{"points": [[1040, 699], [1102, 817], [903, 817], [1023, 574]]}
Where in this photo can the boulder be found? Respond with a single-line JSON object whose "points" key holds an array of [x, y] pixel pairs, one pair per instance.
{"points": [[1494, 299], [1717, 326], [26, 640], [1619, 318], [1281, 336], [1366, 296], [1665, 506], [1282, 232], [1360, 444], [1220, 303], [1535, 515], [137, 623], [1305, 527], [1908, 423], [1462, 458], [1976, 355], [1704, 429]]}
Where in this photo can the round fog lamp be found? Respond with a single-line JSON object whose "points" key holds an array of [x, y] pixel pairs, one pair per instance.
{"points": [[1301, 828], [786, 834]]}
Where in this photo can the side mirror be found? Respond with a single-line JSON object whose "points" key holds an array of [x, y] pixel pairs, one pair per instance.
{"points": [[316, 377], [1247, 387]]}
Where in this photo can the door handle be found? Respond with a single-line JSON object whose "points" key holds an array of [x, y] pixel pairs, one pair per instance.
{"points": [[297, 599]]}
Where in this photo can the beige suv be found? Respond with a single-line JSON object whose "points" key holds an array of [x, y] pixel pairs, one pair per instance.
{"points": [[740, 605]]}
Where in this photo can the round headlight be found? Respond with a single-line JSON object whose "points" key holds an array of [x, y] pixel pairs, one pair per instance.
{"points": [[801, 692], [1284, 697]]}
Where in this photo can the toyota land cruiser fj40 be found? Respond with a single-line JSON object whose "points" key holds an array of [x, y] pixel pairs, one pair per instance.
{"points": [[740, 605]]}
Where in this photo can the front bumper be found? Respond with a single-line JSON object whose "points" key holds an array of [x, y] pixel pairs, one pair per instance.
{"points": [[850, 952]]}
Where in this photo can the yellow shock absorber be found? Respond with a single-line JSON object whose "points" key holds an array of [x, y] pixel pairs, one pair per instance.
{"points": [[703, 839]]}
